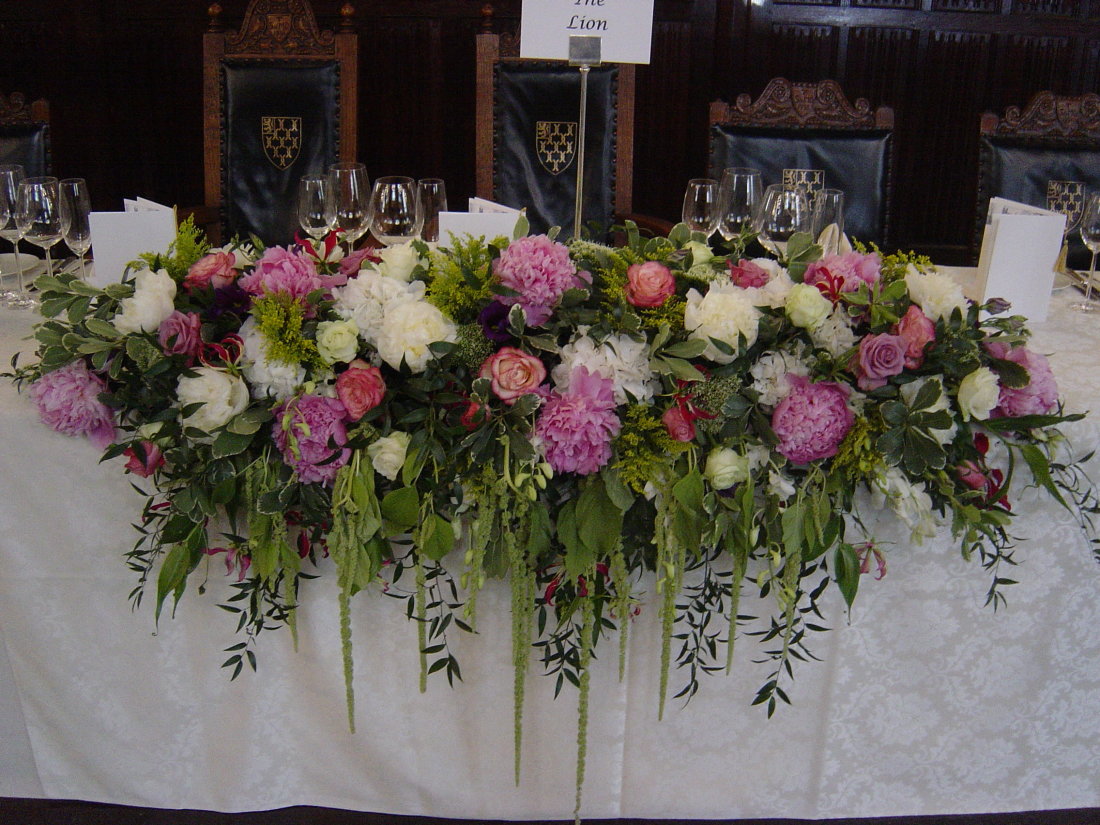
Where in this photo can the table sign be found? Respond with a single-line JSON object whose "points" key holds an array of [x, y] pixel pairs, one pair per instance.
{"points": [[1020, 248], [119, 237], [625, 28]]}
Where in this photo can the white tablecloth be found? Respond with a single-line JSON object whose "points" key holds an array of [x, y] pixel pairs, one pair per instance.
{"points": [[926, 702]]}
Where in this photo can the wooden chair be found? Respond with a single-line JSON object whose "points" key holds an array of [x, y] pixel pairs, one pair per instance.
{"points": [[25, 134], [280, 100], [1046, 155], [810, 134]]}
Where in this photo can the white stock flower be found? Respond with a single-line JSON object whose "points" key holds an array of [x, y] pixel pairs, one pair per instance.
{"points": [[935, 293], [780, 485], [267, 378], [726, 467], [154, 299], [725, 313], [399, 261], [387, 454], [806, 306], [770, 373], [910, 502], [368, 297], [337, 341], [978, 394], [909, 394], [222, 396], [620, 358], [408, 329], [834, 334]]}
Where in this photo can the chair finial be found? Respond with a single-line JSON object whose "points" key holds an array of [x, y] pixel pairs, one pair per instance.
{"points": [[487, 18], [214, 13], [347, 11]]}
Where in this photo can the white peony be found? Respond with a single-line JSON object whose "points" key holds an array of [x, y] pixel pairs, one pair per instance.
{"points": [[909, 394], [978, 394], [222, 396], [408, 329], [399, 261], [726, 467], [725, 314], [267, 378], [154, 299], [935, 293], [770, 375], [387, 454], [337, 341], [367, 298], [807, 307], [834, 334], [620, 358]]}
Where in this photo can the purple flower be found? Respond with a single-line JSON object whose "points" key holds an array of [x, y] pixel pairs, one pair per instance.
{"points": [[68, 401], [812, 420], [494, 322], [539, 272], [229, 299], [280, 270], [879, 357], [304, 427], [1038, 396], [574, 429]]}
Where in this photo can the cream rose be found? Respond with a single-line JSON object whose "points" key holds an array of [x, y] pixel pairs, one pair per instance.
{"points": [[725, 313], [387, 454], [337, 341], [978, 394], [700, 252], [399, 261], [726, 467], [935, 293], [407, 331], [807, 307], [153, 300], [222, 396]]}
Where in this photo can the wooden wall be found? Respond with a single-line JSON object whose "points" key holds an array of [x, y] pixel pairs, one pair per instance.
{"points": [[123, 79]]}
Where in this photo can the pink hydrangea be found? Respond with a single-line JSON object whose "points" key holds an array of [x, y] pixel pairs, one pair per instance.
{"points": [[281, 270], [834, 274], [812, 420], [304, 426], [574, 429], [539, 271], [68, 401], [1038, 396]]}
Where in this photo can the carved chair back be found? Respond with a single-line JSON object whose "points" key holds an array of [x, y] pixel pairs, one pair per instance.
{"points": [[25, 133]]}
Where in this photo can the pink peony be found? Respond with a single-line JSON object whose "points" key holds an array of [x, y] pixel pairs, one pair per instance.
{"points": [[538, 271], [649, 284], [812, 420], [280, 270], [304, 426], [147, 463], [68, 401], [1038, 396], [513, 373], [879, 357], [212, 271], [746, 274], [917, 331], [835, 274], [574, 430], [180, 334], [360, 388]]}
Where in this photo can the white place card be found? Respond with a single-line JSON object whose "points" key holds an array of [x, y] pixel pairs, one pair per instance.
{"points": [[486, 224], [119, 237], [625, 28], [1020, 248]]}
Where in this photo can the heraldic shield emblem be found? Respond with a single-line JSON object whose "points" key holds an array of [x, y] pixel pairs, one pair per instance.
{"points": [[809, 179], [555, 144], [282, 139], [1068, 198]]}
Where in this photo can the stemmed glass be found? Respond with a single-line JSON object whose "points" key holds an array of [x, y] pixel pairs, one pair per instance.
{"points": [[433, 200], [1090, 234], [701, 206], [38, 214], [11, 175], [75, 226], [397, 214], [784, 211], [349, 201], [313, 206], [739, 197], [828, 211]]}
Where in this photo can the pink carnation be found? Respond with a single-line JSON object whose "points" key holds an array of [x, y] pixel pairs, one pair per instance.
{"points": [[68, 401], [179, 334], [280, 270], [746, 274], [304, 427], [812, 420], [1038, 396], [539, 272], [834, 274], [574, 429]]}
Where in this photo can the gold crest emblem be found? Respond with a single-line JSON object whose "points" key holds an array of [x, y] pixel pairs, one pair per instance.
{"points": [[279, 24], [809, 179], [1068, 198], [282, 139], [555, 144]]}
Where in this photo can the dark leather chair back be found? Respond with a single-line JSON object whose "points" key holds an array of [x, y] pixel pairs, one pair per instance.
{"points": [[25, 134]]}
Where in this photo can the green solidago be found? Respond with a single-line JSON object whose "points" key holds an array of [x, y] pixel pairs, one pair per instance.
{"points": [[190, 245], [460, 283], [280, 318], [644, 449], [857, 457]]}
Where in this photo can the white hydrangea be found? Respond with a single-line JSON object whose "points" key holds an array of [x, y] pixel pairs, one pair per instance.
{"points": [[910, 502], [834, 334], [620, 358], [369, 297], [725, 314], [267, 378], [909, 394], [770, 375], [407, 331], [935, 293]]}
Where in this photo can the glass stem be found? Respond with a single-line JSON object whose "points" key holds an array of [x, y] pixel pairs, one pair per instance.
{"points": [[49, 263], [83, 274], [18, 265], [1092, 274]]}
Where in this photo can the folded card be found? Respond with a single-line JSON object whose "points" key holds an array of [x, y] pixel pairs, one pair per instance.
{"points": [[119, 237], [1020, 248], [485, 219]]}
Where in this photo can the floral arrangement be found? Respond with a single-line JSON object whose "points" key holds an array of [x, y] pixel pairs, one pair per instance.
{"points": [[571, 417]]}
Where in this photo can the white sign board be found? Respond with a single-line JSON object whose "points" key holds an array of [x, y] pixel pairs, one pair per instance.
{"points": [[625, 28]]}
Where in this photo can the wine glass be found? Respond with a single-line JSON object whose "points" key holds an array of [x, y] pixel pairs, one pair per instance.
{"points": [[397, 214], [701, 212], [38, 214], [739, 196], [313, 206], [433, 200], [75, 226], [828, 211], [784, 211], [1090, 234], [349, 201], [10, 177]]}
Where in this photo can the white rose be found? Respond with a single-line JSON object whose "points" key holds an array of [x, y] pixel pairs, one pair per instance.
{"points": [[154, 299], [726, 467], [807, 307], [337, 341], [387, 454], [408, 329], [725, 313], [978, 394], [700, 252], [222, 396], [935, 293], [399, 261]]}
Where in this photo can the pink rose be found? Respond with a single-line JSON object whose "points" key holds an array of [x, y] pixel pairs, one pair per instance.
{"points": [[147, 465], [679, 424], [649, 284], [469, 415], [214, 271], [917, 331], [180, 334], [746, 274], [360, 388], [879, 357], [513, 373]]}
